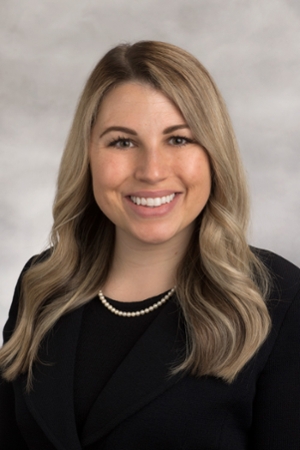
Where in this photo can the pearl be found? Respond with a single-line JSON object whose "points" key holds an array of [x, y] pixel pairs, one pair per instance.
{"points": [[135, 313]]}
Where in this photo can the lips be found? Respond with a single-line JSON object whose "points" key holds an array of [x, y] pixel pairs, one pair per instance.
{"points": [[152, 202]]}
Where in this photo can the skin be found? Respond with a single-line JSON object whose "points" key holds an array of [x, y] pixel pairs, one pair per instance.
{"points": [[141, 146]]}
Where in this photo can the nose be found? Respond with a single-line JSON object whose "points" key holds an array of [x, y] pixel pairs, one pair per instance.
{"points": [[152, 165]]}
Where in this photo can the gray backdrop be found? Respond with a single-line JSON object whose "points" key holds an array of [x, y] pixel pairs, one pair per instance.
{"points": [[48, 48]]}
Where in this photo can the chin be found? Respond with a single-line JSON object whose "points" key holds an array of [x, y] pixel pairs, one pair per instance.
{"points": [[155, 239]]}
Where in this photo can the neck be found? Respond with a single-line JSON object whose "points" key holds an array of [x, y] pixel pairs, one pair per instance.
{"points": [[141, 270]]}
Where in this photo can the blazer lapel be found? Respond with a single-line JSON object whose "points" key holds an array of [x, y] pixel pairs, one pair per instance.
{"points": [[51, 399], [142, 375]]}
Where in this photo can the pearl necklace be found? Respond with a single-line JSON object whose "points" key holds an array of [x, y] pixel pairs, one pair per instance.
{"points": [[135, 313]]}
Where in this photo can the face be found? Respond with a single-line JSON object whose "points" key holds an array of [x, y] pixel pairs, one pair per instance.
{"points": [[150, 177]]}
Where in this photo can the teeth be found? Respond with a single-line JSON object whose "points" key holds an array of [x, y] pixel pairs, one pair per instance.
{"points": [[152, 202]]}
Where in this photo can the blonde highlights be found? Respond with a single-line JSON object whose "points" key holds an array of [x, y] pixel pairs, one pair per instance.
{"points": [[222, 285]]}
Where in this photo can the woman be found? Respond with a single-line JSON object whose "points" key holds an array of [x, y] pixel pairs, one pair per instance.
{"points": [[150, 323]]}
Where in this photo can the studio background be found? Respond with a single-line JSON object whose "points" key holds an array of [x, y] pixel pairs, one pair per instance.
{"points": [[49, 47]]}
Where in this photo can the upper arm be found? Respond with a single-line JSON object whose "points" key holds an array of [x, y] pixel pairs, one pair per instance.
{"points": [[13, 312], [10, 436], [276, 411]]}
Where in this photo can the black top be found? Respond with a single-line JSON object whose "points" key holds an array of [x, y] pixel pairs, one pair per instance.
{"points": [[104, 341], [142, 406]]}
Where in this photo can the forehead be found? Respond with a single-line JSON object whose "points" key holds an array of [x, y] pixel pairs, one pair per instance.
{"points": [[135, 100]]}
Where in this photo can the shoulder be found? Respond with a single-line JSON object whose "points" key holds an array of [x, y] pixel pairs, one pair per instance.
{"points": [[13, 312], [283, 304], [276, 263], [283, 301], [284, 275], [277, 398]]}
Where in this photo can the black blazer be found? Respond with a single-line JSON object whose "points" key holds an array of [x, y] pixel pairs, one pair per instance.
{"points": [[143, 407]]}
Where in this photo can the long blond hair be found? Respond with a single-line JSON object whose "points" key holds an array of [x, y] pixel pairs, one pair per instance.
{"points": [[222, 285]]}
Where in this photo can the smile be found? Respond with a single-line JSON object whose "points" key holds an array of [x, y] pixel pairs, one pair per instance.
{"points": [[152, 202]]}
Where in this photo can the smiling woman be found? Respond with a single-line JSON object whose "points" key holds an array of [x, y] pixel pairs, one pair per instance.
{"points": [[150, 182], [150, 323]]}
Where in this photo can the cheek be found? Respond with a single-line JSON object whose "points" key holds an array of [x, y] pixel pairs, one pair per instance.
{"points": [[100, 181], [198, 172], [102, 189], [108, 176], [106, 173]]}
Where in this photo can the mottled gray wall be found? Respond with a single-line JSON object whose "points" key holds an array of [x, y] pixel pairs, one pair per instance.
{"points": [[47, 49]]}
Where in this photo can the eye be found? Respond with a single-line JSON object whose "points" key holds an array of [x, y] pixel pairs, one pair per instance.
{"points": [[121, 142], [180, 141]]}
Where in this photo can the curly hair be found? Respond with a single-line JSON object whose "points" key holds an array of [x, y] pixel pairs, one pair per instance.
{"points": [[221, 284]]}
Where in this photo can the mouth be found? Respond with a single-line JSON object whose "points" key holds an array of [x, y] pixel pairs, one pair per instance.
{"points": [[152, 202]]}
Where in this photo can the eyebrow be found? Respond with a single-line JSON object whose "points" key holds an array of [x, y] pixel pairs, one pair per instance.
{"points": [[130, 131], [124, 129], [174, 128]]}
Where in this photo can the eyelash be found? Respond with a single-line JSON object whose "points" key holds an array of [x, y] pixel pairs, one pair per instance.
{"points": [[119, 139], [183, 138]]}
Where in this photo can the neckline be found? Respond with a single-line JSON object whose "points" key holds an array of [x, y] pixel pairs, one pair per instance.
{"points": [[135, 306]]}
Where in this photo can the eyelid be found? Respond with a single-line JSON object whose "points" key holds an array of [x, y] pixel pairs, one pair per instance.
{"points": [[189, 140], [114, 141]]}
